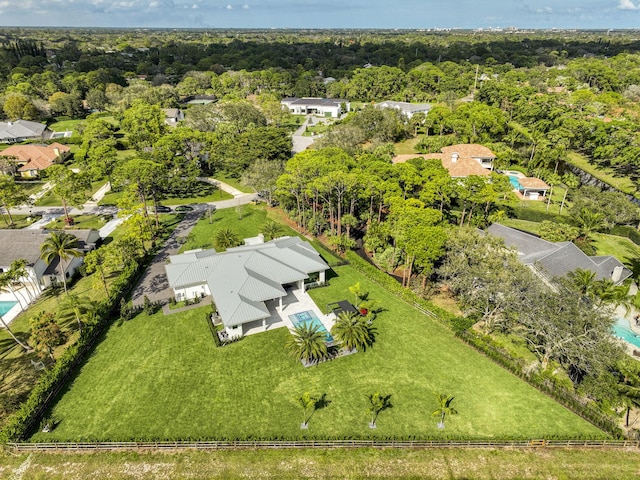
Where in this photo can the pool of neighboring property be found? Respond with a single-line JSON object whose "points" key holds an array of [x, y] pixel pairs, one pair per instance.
{"points": [[622, 330], [514, 181], [6, 306], [309, 318]]}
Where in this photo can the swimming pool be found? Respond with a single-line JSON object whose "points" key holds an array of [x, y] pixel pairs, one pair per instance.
{"points": [[622, 330], [6, 306], [309, 317], [514, 181]]}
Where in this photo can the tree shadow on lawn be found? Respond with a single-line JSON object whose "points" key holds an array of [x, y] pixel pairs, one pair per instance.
{"points": [[320, 403]]}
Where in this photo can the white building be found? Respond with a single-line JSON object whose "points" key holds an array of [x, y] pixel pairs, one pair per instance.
{"points": [[408, 109], [245, 281], [324, 107]]}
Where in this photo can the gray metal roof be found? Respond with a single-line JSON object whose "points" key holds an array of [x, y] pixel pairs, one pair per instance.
{"points": [[243, 278], [20, 129], [314, 102], [557, 259], [25, 243]]}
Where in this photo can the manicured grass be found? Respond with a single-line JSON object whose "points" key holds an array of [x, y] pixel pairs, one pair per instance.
{"points": [[80, 222], [234, 182], [162, 377], [66, 125], [203, 193], [19, 221], [246, 221], [524, 225], [407, 146], [31, 187], [52, 200], [428, 464], [607, 175], [620, 247]]}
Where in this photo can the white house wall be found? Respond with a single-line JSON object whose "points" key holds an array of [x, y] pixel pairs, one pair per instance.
{"points": [[191, 292]]}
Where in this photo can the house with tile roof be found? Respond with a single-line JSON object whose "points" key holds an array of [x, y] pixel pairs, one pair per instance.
{"points": [[31, 159], [246, 282], [408, 109], [21, 130], [550, 260], [462, 160], [26, 243], [324, 107]]}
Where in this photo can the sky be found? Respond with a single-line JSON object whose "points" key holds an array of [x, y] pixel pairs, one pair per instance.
{"points": [[411, 14]]}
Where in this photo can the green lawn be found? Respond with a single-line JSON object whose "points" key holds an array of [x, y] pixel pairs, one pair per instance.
{"points": [[360, 463], [607, 175], [620, 247], [52, 200], [202, 193], [81, 222], [234, 182], [66, 125], [162, 377], [406, 147]]}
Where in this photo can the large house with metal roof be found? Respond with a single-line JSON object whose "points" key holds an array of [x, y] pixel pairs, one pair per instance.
{"points": [[408, 109], [245, 281], [550, 260], [324, 107]]}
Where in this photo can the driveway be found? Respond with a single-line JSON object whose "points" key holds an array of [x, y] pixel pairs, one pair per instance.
{"points": [[154, 283]]}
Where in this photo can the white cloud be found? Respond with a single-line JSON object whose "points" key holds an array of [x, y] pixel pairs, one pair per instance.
{"points": [[229, 7], [153, 4], [245, 7], [628, 5], [195, 6]]}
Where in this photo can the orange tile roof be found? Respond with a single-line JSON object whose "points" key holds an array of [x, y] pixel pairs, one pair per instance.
{"points": [[531, 182], [37, 157], [464, 166]]}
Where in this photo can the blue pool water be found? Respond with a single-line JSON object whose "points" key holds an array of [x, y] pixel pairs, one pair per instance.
{"points": [[622, 330], [6, 306], [514, 181], [309, 317]]}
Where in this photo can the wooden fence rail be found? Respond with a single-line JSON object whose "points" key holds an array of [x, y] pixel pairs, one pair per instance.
{"points": [[284, 444]]}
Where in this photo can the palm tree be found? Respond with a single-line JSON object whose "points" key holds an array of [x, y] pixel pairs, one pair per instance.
{"points": [[272, 230], [629, 387], [226, 238], [377, 403], [352, 331], [589, 222], [306, 401], [308, 343], [62, 245], [584, 281], [6, 285], [76, 307], [444, 407]]}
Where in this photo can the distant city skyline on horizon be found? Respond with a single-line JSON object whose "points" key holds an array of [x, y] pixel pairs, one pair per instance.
{"points": [[323, 14]]}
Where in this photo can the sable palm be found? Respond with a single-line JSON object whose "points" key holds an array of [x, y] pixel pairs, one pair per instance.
{"points": [[352, 331], [308, 343], [629, 387], [444, 407], [307, 402], [583, 280], [62, 245], [377, 403], [19, 274], [589, 222], [77, 308], [226, 238], [6, 285], [272, 230]]}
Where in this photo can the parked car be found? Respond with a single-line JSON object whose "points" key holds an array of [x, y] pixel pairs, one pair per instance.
{"points": [[184, 208], [159, 209]]}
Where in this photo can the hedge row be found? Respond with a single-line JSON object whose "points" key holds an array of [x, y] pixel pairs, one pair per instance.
{"points": [[563, 396], [52, 380]]}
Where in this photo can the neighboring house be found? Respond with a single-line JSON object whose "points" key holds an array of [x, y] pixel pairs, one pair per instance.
{"points": [[30, 159], [245, 281], [408, 109], [460, 160], [549, 260], [530, 188], [324, 107], [21, 130], [17, 244], [172, 116]]}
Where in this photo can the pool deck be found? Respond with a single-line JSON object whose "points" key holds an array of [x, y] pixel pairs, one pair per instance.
{"points": [[15, 311], [294, 302], [621, 313]]}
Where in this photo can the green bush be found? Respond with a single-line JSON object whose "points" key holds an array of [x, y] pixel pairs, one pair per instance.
{"points": [[626, 231]]}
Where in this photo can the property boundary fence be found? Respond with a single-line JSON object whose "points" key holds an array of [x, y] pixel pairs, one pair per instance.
{"points": [[285, 444]]}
